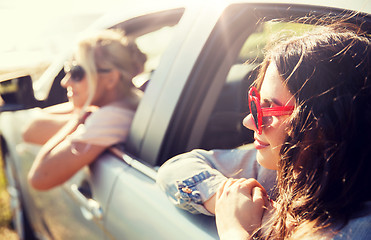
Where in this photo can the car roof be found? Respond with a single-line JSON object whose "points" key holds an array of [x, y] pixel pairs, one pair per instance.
{"points": [[122, 12], [355, 5]]}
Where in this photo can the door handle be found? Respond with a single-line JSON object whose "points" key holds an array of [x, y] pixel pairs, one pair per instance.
{"points": [[89, 204]]}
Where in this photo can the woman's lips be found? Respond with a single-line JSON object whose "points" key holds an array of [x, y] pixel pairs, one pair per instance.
{"points": [[259, 144]]}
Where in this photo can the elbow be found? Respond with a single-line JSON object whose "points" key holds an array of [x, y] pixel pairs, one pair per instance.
{"points": [[25, 133], [161, 177], [169, 173], [33, 133], [37, 182], [28, 134], [166, 179]]}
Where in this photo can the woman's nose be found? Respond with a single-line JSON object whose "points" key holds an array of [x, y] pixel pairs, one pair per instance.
{"points": [[248, 122]]}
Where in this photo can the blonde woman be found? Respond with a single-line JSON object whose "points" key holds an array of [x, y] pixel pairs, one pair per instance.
{"points": [[102, 104]]}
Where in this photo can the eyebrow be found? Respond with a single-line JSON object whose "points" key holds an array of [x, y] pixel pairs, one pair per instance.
{"points": [[273, 100]]}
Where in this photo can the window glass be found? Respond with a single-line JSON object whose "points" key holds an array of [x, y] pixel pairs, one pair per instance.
{"points": [[153, 45], [255, 43], [224, 128]]}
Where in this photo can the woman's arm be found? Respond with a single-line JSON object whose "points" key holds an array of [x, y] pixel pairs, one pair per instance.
{"points": [[62, 108], [54, 166], [56, 162], [77, 145], [192, 179], [47, 123], [43, 127]]}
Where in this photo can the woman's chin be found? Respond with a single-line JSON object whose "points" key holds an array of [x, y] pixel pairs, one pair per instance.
{"points": [[76, 104], [266, 160]]}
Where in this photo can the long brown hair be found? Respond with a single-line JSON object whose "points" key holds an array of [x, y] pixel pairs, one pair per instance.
{"points": [[324, 173]]}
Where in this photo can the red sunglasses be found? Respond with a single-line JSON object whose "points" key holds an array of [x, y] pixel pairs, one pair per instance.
{"points": [[258, 112]]}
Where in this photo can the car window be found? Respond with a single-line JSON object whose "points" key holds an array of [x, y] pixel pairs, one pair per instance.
{"points": [[224, 128], [253, 48], [213, 104], [153, 44], [143, 28], [208, 107]]}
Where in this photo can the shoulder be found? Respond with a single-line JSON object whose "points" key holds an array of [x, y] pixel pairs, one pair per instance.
{"points": [[109, 118], [117, 109], [358, 227], [245, 152], [111, 113], [222, 158]]}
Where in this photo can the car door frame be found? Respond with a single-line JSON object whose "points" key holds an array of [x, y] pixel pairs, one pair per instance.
{"points": [[174, 118], [93, 174]]}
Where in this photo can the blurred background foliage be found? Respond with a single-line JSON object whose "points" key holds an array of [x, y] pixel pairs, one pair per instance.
{"points": [[269, 32]]}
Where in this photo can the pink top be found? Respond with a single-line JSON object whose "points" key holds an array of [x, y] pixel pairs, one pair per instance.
{"points": [[106, 126]]}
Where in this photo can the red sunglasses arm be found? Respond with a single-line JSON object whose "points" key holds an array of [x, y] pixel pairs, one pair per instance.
{"points": [[277, 111]]}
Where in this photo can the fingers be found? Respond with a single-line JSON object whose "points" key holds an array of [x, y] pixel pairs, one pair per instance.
{"points": [[242, 185], [240, 204], [225, 186], [250, 184], [259, 197]]}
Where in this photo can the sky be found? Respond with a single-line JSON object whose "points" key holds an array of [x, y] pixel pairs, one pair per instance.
{"points": [[34, 31]]}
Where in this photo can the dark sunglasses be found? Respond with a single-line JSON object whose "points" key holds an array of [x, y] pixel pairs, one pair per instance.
{"points": [[258, 112], [77, 72]]}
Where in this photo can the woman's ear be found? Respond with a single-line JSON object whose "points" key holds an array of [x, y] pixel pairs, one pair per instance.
{"points": [[112, 79]]}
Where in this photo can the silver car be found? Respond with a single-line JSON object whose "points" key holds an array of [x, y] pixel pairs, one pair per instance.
{"points": [[201, 59]]}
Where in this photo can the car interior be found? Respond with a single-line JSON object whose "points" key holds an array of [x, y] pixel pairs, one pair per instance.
{"points": [[213, 104], [211, 110], [223, 128]]}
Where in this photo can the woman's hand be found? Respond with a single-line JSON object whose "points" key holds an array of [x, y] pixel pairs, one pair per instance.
{"points": [[239, 208]]}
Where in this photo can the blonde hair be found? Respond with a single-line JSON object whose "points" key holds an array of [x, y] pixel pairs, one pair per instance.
{"points": [[110, 49]]}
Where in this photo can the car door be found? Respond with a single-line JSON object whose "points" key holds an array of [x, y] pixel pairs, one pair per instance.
{"points": [[198, 103], [138, 209], [195, 99], [223, 71], [85, 197], [77, 209]]}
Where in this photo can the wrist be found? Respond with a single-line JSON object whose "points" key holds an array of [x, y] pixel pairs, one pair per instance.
{"points": [[234, 234], [210, 204]]}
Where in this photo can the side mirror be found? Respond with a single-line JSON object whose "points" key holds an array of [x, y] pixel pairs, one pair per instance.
{"points": [[17, 94]]}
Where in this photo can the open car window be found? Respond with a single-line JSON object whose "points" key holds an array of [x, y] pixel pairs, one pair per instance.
{"points": [[157, 26], [210, 111], [224, 129], [153, 44]]}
